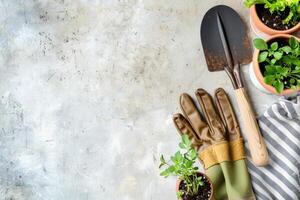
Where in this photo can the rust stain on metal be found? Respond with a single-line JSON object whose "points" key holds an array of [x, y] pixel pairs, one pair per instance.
{"points": [[242, 52], [215, 62], [248, 50]]}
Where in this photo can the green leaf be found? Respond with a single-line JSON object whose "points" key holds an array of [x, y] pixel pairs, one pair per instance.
{"points": [[269, 79], [186, 141], [179, 194], [288, 18], [189, 164], [277, 55], [165, 173], [278, 86], [273, 61], [162, 159], [271, 53], [293, 43], [296, 71], [286, 49], [287, 59], [193, 154], [177, 158], [284, 71], [178, 155], [297, 51], [270, 69], [182, 146], [260, 44], [161, 164], [262, 56], [296, 62], [249, 3], [171, 169], [292, 81], [274, 46], [199, 178]]}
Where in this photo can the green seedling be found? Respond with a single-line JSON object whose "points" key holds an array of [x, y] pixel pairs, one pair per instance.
{"points": [[181, 164], [279, 6], [282, 64]]}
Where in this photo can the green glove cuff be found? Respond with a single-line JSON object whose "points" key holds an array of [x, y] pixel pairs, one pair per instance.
{"points": [[231, 181]]}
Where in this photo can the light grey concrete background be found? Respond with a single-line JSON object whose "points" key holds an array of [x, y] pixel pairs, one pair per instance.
{"points": [[88, 89]]}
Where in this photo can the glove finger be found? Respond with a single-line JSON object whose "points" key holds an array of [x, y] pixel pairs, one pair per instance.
{"points": [[184, 127], [194, 118], [214, 122], [227, 114]]}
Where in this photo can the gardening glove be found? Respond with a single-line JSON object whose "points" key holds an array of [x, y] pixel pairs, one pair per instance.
{"points": [[218, 140]]}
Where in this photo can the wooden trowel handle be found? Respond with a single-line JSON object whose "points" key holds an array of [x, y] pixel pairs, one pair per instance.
{"points": [[256, 142]]}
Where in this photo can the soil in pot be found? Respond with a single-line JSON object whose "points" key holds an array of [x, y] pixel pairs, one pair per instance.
{"points": [[204, 193], [274, 20], [262, 66]]}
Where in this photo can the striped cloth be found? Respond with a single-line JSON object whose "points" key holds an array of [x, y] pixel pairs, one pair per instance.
{"points": [[280, 126]]}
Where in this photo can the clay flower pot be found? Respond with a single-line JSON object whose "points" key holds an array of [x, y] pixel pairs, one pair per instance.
{"points": [[263, 30], [257, 76], [199, 174]]}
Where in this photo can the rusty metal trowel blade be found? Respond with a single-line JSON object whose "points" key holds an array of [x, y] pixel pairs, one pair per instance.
{"points": [[236, 33]]}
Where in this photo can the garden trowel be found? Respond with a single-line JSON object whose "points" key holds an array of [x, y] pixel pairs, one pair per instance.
{"points": [[226, 46]]}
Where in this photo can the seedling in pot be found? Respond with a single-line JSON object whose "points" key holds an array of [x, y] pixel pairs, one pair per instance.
{"points": [[277, 14], [193, 185], [279, 62]]}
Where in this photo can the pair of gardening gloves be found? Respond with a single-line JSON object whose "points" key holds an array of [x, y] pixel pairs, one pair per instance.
{"points": [[218, 140]]}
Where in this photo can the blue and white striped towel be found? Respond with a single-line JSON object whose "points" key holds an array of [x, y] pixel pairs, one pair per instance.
{"points": [[280, 126]]}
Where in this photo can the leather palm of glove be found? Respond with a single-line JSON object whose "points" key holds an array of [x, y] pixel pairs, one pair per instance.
{"points": [[218, 140]]}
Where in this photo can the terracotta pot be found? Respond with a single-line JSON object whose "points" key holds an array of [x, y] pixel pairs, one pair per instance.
{"points": [[200, 174], [257, 77], [263, 30]]}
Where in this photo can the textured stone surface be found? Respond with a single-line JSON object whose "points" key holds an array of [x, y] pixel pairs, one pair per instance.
{"points": [[88, 89]]}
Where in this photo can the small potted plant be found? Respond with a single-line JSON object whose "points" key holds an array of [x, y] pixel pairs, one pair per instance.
{"points": [[191, 184], [276, 64], [272, 17]]}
